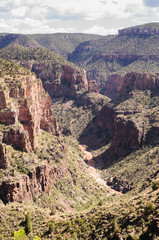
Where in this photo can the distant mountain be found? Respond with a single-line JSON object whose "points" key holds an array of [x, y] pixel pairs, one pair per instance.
{"points": [[21, 39], [133, 49], [62, 43]]}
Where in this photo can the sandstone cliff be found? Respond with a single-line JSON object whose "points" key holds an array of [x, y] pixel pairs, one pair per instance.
{"points": [[140, 81], [27, 187], [113, 86], [26, 106], [25, 110], [132, 120], [59, 77], [139, 31]]}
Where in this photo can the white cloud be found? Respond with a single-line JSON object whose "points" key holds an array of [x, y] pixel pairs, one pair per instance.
{"points": [[100, 30], [19, 12], [93, 16]]}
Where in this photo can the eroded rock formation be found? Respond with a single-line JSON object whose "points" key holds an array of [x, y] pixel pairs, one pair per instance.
{"points": [[93, 86], [125, 57], [139, 31], [139, 81], [131, 124], [26, 187], [113, 86], [67, 81], [28, 104]]}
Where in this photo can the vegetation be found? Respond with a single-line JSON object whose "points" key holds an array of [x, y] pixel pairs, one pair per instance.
{"points": [[62, 43], [77, 206], [89, 55], [74, 115]]}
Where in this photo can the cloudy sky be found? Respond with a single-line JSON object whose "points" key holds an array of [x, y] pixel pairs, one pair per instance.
{"points": [[87, 16]]}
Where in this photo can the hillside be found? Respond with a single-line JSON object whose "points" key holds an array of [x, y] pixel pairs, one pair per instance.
{"points": [[62, 43], [21, 39], [129, 51], [59, 76]]}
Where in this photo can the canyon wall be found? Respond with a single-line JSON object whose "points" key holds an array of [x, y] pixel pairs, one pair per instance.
{"points": [[27, 187], [65, 81], [27, 106], [125, 57], [128, 130]]}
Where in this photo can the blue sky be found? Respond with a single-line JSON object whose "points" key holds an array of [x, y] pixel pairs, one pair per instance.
{"points": [[87, 16]]}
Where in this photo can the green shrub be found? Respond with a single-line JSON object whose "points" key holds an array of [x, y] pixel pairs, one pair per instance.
{"points": [[51, 227], [149, 208], [155, 185], [20, 235], [53, 211]]}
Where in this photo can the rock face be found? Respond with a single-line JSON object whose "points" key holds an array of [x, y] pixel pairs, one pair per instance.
{"points": [[65, 82], [125, 57], [126, 136], [119, 185], [131, 124], [140, 81], [139, 31], [113, 86], [28, 107], [18, 138], [25, 109], [26, 187], [93, 86]]}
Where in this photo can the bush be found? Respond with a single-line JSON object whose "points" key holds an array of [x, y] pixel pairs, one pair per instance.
{"points": [[20, 235], [149, 208], [51, 228], [53, 211], [155, 185]]}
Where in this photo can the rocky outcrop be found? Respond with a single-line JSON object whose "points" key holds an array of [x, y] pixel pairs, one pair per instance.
{"points": [[93, 86], [139, 31], [28, 104], [139, 81], [105, 119], [125, 57], [27, 187], [119, 185], [131, 127], [65, 81], [113, 86], [18, 138], [126, 136]]}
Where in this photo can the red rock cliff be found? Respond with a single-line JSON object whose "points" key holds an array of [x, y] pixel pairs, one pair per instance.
{"points": [[65, 81], [26, 104], [139, 81]]}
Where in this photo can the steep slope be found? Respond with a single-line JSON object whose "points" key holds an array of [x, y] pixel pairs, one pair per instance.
{"points": [[59, 77], [135, 49]]}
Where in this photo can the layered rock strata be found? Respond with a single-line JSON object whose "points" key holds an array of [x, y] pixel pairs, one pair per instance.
{"points": [[27, 105], [27, 187], [131, 127], [67, 81]]}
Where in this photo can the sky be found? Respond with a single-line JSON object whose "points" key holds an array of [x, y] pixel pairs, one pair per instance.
{"points": [[85, 16]]}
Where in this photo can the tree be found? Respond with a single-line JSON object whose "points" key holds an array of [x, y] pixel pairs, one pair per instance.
{"points": [[28, 227]]}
